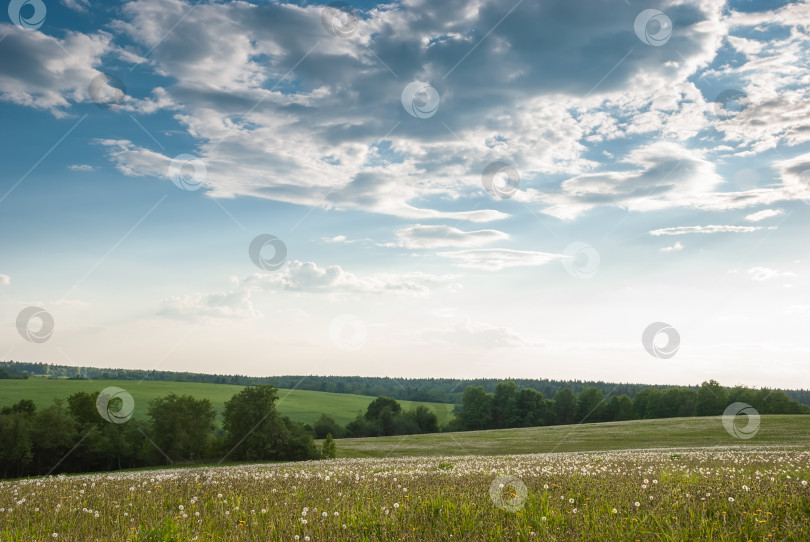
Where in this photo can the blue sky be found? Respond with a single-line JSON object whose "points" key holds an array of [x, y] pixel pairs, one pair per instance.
{"points": [[659, 162]]}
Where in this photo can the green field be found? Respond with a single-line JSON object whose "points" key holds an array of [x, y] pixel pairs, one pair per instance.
{"points": [[759, 493], [300, 405], [785, 430]]}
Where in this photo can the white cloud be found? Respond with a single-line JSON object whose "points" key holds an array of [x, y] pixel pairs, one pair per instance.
{"points": [[475, 334], [81, 167], [495, 259], [231, 304], [419, 236], [5, 280], [76, 5], [47, 72], [683, 230], [766, 273], [759, 216], [300, 276], [674, 248]]}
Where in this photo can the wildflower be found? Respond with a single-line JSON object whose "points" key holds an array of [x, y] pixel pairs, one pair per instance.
{"points": [[637, 504], [324, 514], [571, 501], [614, 511], [545, 486], [804, 482], [54, 535], [574, 510], [543, 518], [396, 505], [731, 499]]}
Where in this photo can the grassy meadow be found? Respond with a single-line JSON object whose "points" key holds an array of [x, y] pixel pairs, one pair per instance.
{"points": [[300, 405], [748, 494], [785, 430]]}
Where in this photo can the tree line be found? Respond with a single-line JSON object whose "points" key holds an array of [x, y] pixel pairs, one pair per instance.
{"points": [[73, 435], [438, 390], [510, 407]]}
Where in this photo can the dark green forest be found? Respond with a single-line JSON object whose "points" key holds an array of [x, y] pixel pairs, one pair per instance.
{"points": [[74, 435], [438, 390], [80, 434]]}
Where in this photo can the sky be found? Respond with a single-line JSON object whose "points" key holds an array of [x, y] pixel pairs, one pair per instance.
{"points": [[575, 189]]}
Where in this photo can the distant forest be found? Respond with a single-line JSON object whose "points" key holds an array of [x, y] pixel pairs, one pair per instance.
{"points": [[436, 390]]}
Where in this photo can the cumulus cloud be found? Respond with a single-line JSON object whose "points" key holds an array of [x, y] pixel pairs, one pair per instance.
{"points": [[475, 334], [44, 72], [339, 137], [496, 259], [76, 5], [420, 236], [81, 167], [684, 230], [674, 248], [766, 273], [232, 304], [765, 214], [301, 277], [309, 277]]}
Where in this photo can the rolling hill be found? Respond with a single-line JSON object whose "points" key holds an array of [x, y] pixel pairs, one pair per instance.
{"points": [[300, 405], [704, 432]]}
